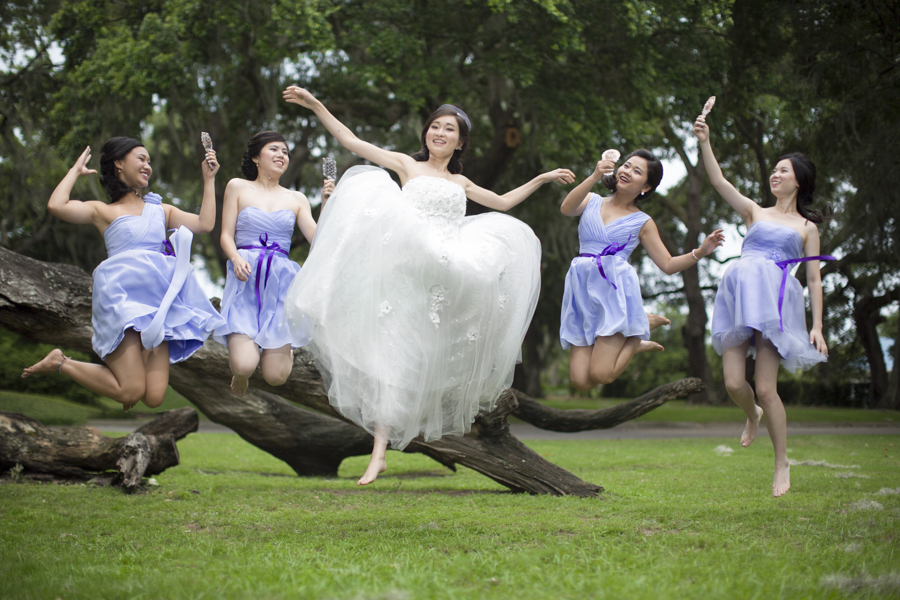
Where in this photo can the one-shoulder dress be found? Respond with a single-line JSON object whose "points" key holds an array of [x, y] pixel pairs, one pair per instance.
{"points": [[256, 307], [142, 286], [602, 294], [418, 312], [748, 298]]}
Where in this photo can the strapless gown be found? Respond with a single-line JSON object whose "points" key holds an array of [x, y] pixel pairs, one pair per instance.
{"points": [[417, 312], [142, 288], [256, 307], [599, 304], [747, 298]]}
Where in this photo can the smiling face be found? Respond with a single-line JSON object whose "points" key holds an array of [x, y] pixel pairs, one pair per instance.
{"points": [[273, 157], [631, 177], [134, 169], [442, 136], [783, 181]]}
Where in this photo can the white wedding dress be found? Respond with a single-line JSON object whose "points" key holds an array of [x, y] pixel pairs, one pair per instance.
{"points": [[417, 313]]}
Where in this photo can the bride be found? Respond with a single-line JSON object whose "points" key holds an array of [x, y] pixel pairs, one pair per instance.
{"points": [[417, 312]]}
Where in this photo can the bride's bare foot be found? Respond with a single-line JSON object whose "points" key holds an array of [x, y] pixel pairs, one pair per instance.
{"points": [[648, 346], [782, 482], [657, 321], [239, 385], [48, 364], [751, 428], [376, 467]]}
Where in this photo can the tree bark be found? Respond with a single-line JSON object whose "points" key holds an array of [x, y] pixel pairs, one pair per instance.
{"points": [[51, 304], [571, 420], [82, 453]]}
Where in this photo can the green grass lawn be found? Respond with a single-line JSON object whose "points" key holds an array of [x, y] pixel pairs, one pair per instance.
{"points": [[680, 410], [678, 520], [52, 410]]}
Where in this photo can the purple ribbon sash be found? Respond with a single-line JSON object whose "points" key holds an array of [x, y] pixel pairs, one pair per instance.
{"points": [[783, 265], [267, 255], [610, 250], [167, 248]]}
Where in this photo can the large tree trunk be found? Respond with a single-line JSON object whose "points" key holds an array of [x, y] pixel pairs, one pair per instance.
{"points": [[51, 304], [29, 449]]}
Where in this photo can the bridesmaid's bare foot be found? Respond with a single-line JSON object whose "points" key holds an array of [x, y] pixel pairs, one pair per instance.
{"points": [[648, 346], [376, 467], [239, 385], [782, 482], [48, 364], [657, 321], [751, 428]]}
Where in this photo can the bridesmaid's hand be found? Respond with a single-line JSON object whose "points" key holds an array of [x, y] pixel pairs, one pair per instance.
{"points": [[80, 167], [327, 189], [604, 167], [210, 166], [242, 269], [701, 129], [816, 337], [712, 241], [297, 95], [559, 176]]}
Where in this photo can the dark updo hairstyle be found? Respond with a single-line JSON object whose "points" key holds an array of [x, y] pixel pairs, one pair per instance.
{"points": [[654, 172], [254, 147], [805, 174], [115, 149], [456, 165]]}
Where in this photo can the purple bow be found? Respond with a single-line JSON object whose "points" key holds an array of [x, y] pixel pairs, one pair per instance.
{"points": [[608, 251], [167, 248], [267, 255], [783, 265]]}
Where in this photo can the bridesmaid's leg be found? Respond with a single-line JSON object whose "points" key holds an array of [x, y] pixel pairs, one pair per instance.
{"points": [[276, 364], [378, 463], [612, 355], [768, 362], [243, 357], [580, 368], [156, 363], [734, 361], [657, 321], [122, 378]]}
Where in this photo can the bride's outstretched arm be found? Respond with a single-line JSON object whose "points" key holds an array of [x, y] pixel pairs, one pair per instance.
{"points": [[514, 197], [395, 161]]}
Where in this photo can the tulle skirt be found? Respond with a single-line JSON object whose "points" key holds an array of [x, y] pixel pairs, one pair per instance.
{"points": [[415, 328]]}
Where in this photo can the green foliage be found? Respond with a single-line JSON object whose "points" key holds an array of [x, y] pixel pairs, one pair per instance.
{"points": [[19, 353], [51, 410], [677, 521]]}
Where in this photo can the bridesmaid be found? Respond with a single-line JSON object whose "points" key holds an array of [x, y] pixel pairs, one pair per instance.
{"points": [[148, 308], [258, 219], [760, 309], [603, 319]]}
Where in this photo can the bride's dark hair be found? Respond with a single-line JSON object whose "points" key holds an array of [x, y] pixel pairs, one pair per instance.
{"points": [[654, 172], [115, 149], [254, 147], [456, 165]]}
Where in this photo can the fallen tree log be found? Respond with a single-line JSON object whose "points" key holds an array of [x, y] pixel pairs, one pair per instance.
{"points": [[572, 419], [82, 453], [50, 303]]}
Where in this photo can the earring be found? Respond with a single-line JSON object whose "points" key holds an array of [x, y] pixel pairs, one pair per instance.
{"points": [[642, 194]]}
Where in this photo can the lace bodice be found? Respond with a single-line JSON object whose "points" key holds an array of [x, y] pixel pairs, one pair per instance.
{"points": [[441, 202]]}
